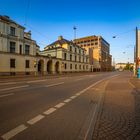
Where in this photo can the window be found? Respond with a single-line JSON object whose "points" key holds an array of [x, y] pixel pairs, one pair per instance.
{"points": [[83, 67], [79, 58], [75, 50], [70, 48], [27, 63], [76, 66], [12, 63], [65, 56], [20, 49], [70, 57], [12, 31], [65, 66], [70, 66], [12, 47], [79, 66], [75, 58], [27, 49]]}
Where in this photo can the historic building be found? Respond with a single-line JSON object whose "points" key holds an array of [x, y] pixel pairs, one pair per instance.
{"points": [[17, 49], [99, 52], [72, 58], [19, 54]]}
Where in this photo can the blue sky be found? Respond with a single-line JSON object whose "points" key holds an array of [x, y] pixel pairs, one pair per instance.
{"points": [[47, 19]]}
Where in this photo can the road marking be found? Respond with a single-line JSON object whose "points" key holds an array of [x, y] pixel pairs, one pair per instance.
{"points": [[67, 100], [55, 84], [14, 88], [131, 84], [93, 117], [60, 105], [35, 81], [79, 79], [1, 96], [14, 132], [73, 97], [84, 90], [10, 83], [35, 119], [78, 93], [49, 111]]}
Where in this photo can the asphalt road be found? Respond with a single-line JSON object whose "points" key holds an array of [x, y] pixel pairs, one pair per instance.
{"points": [[62, 108]]}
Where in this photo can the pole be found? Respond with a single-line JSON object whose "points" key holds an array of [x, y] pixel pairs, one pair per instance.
{"points": [[136, 52], [74, 28]]}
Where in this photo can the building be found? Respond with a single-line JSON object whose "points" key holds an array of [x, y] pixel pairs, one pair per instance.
{"points": [[20, 55], [17, 49], [122, 66], [98, 50], [72, 58]]}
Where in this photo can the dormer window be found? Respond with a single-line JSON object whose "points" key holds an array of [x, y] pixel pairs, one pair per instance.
{"points": [[12, 31]]}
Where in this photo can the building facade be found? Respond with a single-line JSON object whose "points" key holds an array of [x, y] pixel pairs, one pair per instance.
{"points": [[99, 52], [73, 58], [20, 55], [17, 49]]}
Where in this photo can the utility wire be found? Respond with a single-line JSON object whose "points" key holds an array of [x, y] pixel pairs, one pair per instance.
{"points": [[27, 11], [33, 29], [123, 33]]}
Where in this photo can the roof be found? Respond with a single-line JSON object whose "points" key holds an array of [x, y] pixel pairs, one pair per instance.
{"points": [[86, 37], [63, 41], [7, 19]]}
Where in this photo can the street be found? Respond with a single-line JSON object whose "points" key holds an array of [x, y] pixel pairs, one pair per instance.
{"points": [[82, 107]]}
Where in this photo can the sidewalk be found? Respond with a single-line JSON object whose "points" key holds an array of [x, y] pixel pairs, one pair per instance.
{"points": [[119, 118]]}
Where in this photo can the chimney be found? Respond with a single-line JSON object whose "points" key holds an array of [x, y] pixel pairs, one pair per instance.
{"points": [[60, 37]]}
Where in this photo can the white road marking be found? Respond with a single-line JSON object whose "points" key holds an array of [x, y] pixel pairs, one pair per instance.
{"points": [[49, 111], [93, 116], [78, 93], [60, 105], [55, 84], [84, 90], [1, 96], [14, 132], [14, 88], [35, 119], [79, 79], [131, 84], [10, 83], [35, 81], [67, 100], [73, 97]]}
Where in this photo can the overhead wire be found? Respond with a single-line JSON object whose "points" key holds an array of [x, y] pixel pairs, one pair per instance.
{"points": [[115, 36], [32, 28]]}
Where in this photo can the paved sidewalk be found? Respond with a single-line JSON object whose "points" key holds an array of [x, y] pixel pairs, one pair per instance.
{"points": [[120, 115]]}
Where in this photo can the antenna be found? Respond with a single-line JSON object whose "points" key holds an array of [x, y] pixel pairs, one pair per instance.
{"points": [[74, 28]]}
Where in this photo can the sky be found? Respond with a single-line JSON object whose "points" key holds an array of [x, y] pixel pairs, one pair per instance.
{"points": [[48, 19]]}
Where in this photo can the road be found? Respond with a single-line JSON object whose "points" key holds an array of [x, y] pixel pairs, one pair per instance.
{"points": [[65, 108]]}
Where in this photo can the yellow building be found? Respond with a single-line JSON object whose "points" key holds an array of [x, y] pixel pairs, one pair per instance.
{"points": [[73, 58], [98, 50]]}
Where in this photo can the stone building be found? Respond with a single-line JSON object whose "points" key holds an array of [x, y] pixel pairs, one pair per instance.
{"points": [[17, 49], [99, 52], [72, 58], [19, 54]]}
